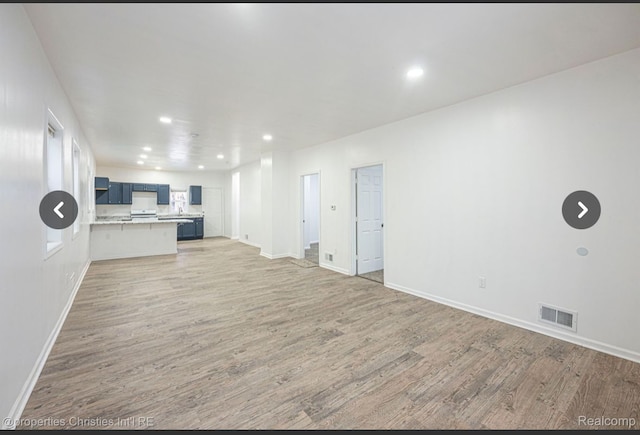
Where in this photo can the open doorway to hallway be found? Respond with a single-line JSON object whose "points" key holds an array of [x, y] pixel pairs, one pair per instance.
{"points": [[369, 225], [311, 217]]}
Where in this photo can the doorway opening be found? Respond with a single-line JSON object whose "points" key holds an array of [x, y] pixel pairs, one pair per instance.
{"points": [[310, 185], [368, 220]]}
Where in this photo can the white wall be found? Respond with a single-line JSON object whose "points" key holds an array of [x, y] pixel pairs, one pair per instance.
{"points": [[476, 189], [276, 222], [250, 204], [178, 180], [35, 293]]}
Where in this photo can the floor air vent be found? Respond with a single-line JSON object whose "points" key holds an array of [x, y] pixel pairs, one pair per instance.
{"points": [[558, 316]]}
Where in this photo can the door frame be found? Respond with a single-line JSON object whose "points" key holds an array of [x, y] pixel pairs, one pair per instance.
{"points": [[222, 208], [300, 253], [354, 205]]}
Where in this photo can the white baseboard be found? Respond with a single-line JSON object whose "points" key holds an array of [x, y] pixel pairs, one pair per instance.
{"points": [[235, 238], [334, 268], [23, 398], [541, 329], [247, 242], [273, 257]]}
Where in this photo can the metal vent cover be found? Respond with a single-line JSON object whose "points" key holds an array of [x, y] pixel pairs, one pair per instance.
{"points": [[560, 317]]}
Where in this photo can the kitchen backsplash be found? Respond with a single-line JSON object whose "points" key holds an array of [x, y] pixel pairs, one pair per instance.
{"points": [[125, 210]]}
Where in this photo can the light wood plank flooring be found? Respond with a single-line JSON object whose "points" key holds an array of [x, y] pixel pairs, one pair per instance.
{"points": [[218, 337]]}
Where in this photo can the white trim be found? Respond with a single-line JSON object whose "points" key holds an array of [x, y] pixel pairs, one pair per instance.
{"points": [[247, 242], [75, 179], [51, 248], [353, 227], [541, 329], [301, 248], [274, 257], [234, 238], [27, 388], [334, 268]]}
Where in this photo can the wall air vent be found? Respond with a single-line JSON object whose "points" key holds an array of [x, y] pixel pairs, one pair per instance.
{"points": [[560, 317]]}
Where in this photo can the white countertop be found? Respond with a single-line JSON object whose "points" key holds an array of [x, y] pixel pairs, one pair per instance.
{"points": [[139, 221]]}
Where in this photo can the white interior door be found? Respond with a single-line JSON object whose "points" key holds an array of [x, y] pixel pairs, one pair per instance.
{"points": [[212, 206], [369, 219]]}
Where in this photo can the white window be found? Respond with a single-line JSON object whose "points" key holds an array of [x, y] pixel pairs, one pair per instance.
{"points": [[76, 184], [53, 167], [178, 202]]}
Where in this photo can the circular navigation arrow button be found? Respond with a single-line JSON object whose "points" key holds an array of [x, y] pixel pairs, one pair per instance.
{"points": [[581, 209], [58, 209]]}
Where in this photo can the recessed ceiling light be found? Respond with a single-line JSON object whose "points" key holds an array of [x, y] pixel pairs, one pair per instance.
{"points": [[200, 167], [165, 120], [143, 156], [267, 137], [158, 168], [147, 148], [140, 162], [415, 72], [220, 156]]}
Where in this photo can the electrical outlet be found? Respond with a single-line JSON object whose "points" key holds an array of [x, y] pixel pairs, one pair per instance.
{"points": [[246, 236], [328, 256], [482, 282]]}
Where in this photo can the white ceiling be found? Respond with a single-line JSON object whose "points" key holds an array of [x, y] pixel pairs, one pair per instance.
{"points": [[306, 73]]}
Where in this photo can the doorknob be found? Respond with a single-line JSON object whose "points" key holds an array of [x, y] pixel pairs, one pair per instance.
{"points": [[381, 225]]}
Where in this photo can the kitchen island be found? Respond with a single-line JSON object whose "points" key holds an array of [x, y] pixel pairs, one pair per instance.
{"points": [[126, 238]]}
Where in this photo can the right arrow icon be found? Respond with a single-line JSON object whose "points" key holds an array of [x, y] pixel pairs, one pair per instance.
{"points": [[581, 209], [584, 210]]}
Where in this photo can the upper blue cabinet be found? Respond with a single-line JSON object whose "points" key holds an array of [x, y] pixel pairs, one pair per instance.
{"points": [[122, 193], [102, 183], [195, 195], [163, 194]]}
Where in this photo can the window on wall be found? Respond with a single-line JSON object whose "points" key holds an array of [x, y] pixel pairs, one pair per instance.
{"points": [[76, 183], [178, 202], [53, 167]]}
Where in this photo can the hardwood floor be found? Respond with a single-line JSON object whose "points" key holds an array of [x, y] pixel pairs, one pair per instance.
{"points": [[376, 275], [218, 337]]}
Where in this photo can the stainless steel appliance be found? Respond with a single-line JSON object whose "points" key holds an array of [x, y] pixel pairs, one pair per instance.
{"points": [[144, 215]]}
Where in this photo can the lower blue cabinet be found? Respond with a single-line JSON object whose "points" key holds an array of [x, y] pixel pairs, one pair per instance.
{"points": [[199, 222], [191, 230]]}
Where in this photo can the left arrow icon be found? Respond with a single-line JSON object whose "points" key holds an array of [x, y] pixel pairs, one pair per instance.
{"points": [[57, 209]]}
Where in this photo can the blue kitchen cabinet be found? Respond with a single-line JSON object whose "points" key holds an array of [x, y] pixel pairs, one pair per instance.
{"points": [[101, 183], [195, 195], [102, 190], [115, 193], [127, 196], [199, 223], [189, 230], [150, 187], [163, 194], [138, 187], [102, 196]]}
